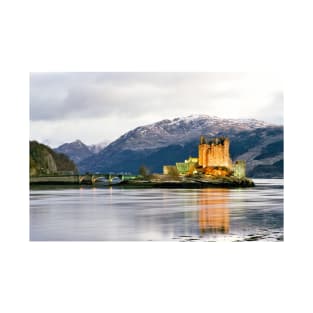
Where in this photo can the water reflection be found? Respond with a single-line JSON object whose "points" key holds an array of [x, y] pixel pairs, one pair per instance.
{"points": [[213, 211], [111, 214]]}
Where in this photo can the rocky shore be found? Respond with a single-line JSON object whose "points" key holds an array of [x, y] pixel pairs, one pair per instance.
{"points": [[202, 182]]}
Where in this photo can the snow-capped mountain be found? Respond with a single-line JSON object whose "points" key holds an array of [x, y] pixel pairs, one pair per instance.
{"points": [[180, 130], [170, 141]]}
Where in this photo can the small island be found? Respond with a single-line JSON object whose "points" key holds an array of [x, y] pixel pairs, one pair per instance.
{"points": [[212, 168], [187, 182]]}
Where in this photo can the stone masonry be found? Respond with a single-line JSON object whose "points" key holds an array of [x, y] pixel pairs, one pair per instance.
{"points": [[214, 153]]}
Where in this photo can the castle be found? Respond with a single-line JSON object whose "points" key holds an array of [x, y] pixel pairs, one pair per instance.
{"points": [[213, 159]]}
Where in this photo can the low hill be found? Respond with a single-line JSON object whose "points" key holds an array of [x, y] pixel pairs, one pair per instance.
{"points": [[44, 161]]}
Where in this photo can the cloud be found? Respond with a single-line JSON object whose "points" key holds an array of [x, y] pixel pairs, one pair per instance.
{"points": [[61, 95], [273, 112], [131, 98]]}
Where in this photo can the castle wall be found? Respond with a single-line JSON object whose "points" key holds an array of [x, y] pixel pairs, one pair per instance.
{"points": [[239, 168], [182, 168], [202, 154], [167, 169]]}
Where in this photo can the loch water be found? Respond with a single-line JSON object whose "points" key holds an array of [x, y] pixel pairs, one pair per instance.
{"points": [[87, 213]]}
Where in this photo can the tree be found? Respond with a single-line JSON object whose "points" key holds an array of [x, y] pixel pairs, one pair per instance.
{"points": [[144, 171]]}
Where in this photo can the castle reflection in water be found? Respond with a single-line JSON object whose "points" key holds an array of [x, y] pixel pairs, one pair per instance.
{"points": [[213, 214]]}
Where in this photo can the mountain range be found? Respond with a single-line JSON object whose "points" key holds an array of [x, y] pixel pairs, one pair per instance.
{"points": [[78, 151], [170, 141]]}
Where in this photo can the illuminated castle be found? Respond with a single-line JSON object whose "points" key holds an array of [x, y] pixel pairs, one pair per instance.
{"points": [[213, 159]]}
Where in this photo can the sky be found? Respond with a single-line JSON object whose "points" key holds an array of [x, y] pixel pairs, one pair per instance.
{"points": [[101, 106]]}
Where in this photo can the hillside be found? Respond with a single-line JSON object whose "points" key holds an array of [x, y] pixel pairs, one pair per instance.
{"points": [[44, 161], [170, 141]]}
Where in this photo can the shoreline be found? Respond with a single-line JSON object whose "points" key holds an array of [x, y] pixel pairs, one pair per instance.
{"points": [[212, 182], [230, 182]]}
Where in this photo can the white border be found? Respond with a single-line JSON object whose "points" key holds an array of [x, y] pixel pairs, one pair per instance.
{"points": [[154, 36]]}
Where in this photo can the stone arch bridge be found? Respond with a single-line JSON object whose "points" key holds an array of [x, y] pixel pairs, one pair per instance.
{"points": [[85, 179], [90, 179]]}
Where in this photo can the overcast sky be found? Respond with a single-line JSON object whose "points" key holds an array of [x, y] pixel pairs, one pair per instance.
{"points": [[97, 107]]}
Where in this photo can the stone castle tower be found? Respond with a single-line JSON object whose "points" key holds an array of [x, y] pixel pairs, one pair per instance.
{"points": [[214, 153]]}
